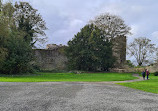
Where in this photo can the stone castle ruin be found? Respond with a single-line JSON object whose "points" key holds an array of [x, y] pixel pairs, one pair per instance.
{"points": [[53, 58], [119, 51], [53, 46]]}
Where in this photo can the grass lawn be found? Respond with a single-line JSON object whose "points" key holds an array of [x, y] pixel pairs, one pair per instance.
{"points": [[68, 77], [150, 85]]}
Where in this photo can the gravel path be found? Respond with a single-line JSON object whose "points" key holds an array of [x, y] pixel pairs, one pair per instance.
{"points": [[74, 96], [113, 82]]}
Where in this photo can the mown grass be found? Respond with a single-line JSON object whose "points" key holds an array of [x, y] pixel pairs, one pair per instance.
{"points": [[68, 77], [150, 85]]}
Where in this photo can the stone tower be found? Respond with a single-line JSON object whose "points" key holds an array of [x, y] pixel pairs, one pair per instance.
{"points": [[119, 51]]}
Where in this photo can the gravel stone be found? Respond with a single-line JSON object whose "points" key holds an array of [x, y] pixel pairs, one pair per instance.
{"points": [[74, 96]]}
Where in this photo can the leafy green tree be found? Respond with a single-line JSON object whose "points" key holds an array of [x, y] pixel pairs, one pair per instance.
{"points": [[20, 26], [19, 55], [89, 50], [129, 63], [29, 21], [3, 36], [0, 5], [3, 41]]}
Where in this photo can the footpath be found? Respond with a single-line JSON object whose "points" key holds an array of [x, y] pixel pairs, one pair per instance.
{"points": [[135, 75]]}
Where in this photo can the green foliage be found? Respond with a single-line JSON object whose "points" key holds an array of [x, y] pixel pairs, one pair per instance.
{"points": [[67, 77], [3, 39], [62, 49], [20, 25], [28, 20], [156, 74], [89, 50], [129, 63], [19, 55], [0, 4]]}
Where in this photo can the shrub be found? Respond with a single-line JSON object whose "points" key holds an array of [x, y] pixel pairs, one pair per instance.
{"points": [[19, 55], [156, 74]]}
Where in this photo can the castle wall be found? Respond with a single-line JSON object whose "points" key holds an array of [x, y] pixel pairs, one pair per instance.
{"points": [[53, 59], [119, 51], [50, 59]]}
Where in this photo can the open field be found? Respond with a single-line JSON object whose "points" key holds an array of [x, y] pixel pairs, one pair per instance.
{"points": [[150, 85], [69, 77]]}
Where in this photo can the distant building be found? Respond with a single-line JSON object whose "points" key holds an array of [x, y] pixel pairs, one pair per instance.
{"points": [[52, 58], [53, 46], [119, 51]]}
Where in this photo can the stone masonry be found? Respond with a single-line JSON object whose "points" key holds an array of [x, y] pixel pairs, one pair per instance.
{"points": [[119, 51], [52, 58]]}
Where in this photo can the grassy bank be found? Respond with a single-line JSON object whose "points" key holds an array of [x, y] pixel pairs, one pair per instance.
{"points": [[68, 77], [150, 85]]}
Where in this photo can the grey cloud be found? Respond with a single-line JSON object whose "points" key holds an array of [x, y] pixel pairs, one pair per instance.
{"points": [[65, 18]]}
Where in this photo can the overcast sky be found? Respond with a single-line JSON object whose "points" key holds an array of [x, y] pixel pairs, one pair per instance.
{"points": [[64, 18]]}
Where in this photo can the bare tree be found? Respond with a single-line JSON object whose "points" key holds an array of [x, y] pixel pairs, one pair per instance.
{"points": [[116, 30], [114, 26], [142, 50], [156, 56]]}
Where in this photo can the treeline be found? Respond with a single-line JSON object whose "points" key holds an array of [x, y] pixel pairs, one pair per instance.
{"points": [[91, 49], [20, 26]]}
